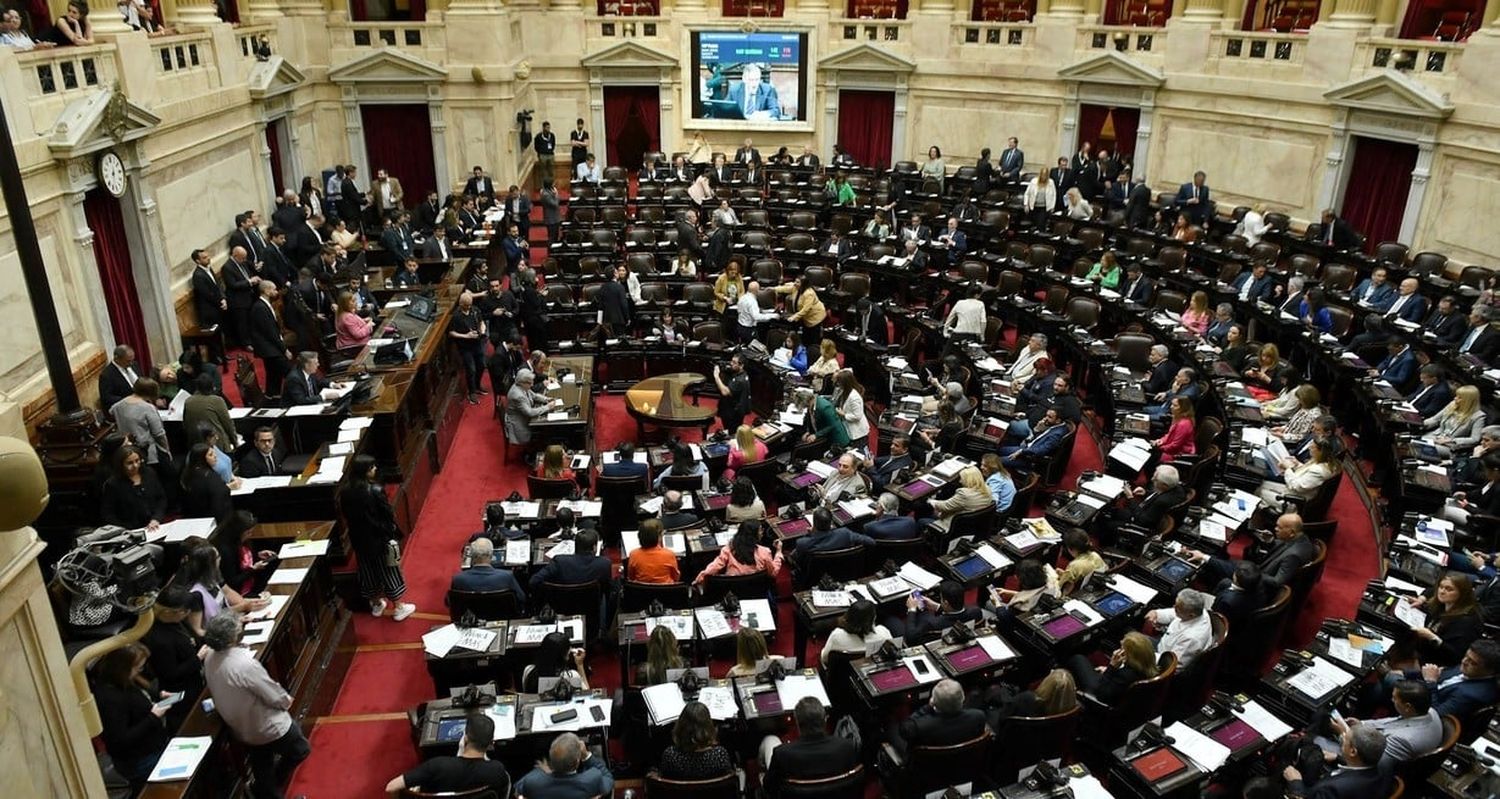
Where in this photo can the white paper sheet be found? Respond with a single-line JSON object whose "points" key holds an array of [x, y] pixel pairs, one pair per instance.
{"points": [[664, 702], [505, 720], [181, 530], [930, 674], [681, 626], [1138, 592], [249, 485], [996, 648], [793, 687], [440, 642], [533, 633], [270, 611], [719, 699], [992, 556], [820, 468], [257, 633], [889, 586], [1320, 679], [477, 639], [1410, 616], [830, 599], [285, 576], [180, 759], [712, 623], [918, 576], [1343, 650], [760, 609], [517, 552], [1262, 721], [1197, 747]]}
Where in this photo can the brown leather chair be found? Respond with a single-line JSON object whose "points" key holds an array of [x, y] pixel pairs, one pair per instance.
{"points": [[655, 293], [1173, 258], [589, 292], [750, 586], [1428, 264], [659, 787], [1011, 282], [1475, 276], [1339, 277], [1391, 253], [1030, 739], [636, 596], [925, 769], [1248, 648], [1083, 311], [641, 263], [575, 599], [842, 564], [1342, 318], [487, 605], [640, 236], [1174, 301], [560, 293], [1133, 351], [1109, 724], [1306, 577], [819, 277], [550, 487], [618, 497], [698, 295], [797, 243], [849, 785], [1233, 243], [802, 220], [1305, 265], [767, 270], [1265, 252], [1041, 256], [711, 331]]}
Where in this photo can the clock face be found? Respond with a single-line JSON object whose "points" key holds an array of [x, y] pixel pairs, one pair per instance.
{"points": [[112, 173]]}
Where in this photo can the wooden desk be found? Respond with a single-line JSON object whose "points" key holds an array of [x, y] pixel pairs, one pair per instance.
{"points": [[308, 653], [659, 401]]}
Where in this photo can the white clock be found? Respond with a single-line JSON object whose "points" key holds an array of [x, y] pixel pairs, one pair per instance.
{"points": [[111, 173]]}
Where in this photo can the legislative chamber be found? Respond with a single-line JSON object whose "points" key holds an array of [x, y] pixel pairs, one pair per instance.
{"points": [[766, 399]]}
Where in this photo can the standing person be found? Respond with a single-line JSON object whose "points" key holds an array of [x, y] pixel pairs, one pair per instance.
{"points": [[373, 533], [253, 706], [810, 310], [734, 396], [579, 139], [467, 329], [551, 209], [546, 151]]}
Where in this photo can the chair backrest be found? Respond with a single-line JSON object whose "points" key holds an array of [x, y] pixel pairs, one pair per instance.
{"points": [[699, 294], [750, 586], [487, 605], [618, 497], [1424, 264], [1265, 252], [819, 277], [1338, 277], [1316, 508], [711, 331], [1143, 701], [1247, 648], [683, 482], [930, 768], [482, 792], [1029, 739], [1041, 256], [763, 475], [560, 293], [659, 787], [1133, 351], [1173, 258], [1191, 687], [550, 487], [1083, 311], [1059, 460], [841, 564], [980, 523], [1474, 276], [848, 785], [1305, 265], [1392, 253], [576, 599], [638, 595], [1306, 577], [1174, 301], [1418, 769], [855, 284]]}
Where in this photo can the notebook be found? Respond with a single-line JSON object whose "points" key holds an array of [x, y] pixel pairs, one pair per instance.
{"points": [[1157, 766]]}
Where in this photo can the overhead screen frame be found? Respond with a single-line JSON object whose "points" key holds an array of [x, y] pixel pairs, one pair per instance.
{"points": [[807, 91]]}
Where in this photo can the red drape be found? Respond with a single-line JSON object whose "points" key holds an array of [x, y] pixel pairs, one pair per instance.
{"points": [[876, 9], [229, 10], [632, 124], [1379, 180], [102, 213], [865, 122], [1417, 11], [358, 12], [418, 10], [1247, 22], [273, 141], [398, 139], [1124, 122], [1141, 13]]}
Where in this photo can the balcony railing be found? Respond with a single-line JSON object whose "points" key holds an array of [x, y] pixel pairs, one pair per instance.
{"points": [[250, 36], [870, 30], [994, 34], [1250, 47], [628, 27], [55, 77], [353, 40], [1420, 58], [186, 66], [1147, 43]]}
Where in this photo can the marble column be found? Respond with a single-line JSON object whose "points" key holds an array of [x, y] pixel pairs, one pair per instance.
{"points": [[195, 12], [461, 8], [565, 5], [1492, 25], [1209, 11], [815, 6], [1417, 193], [689, 5], [936, 7], [104, 17], [1072, 9], [1354, 14], [260, 11]]}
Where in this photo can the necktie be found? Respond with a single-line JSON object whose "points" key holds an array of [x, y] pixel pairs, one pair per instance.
{"points": [[1400, 301], [270, 465], [1469, 342], [749, 106], [310, 390]]}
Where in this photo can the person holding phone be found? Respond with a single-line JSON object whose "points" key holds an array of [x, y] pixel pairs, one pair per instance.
{"points": [[135, 734]]}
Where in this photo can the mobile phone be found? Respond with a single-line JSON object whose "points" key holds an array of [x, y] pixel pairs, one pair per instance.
{"points": [[920, 665], [917, 595], [170, 700], [597, 712], [563, 715]]}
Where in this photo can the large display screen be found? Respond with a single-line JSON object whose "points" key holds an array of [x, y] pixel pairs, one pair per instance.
{"points": [[755, 77]]}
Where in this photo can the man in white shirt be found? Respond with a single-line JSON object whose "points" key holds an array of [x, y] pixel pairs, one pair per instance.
{"points": [[13, 37], [588, 171], [1025, 363], [252, 705], [1189, 628], [749, 314], [966, 319]]}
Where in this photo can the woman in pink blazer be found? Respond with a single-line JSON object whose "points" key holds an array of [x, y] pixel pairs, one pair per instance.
{"points": [[743, 555], [745, 449], [353, 330], [1179, 437]]}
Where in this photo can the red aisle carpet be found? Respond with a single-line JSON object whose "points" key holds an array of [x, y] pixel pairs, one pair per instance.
{"points": [[388, 677]]}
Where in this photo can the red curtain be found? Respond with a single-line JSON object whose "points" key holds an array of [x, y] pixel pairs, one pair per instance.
{"points": [[876, 9], [632, 124], [273, 141], [398, 139], [229, 10], [358, 12], [1122, 121], [1379, 180], [101, 211], [865, 122], [418, 10]]}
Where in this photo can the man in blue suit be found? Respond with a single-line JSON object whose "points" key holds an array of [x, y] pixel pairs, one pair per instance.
{"points": [[955, 240], [1012, 160], [626, 466], [1432, 393], [1472, 685], [1255, 285], [1399, 367], [1193, 200], [885, 468], [581, 568], [1374, 292], [825, 537], [482, 574], [1042, 442], [756, 100], [890, 525], [1408, 305]]}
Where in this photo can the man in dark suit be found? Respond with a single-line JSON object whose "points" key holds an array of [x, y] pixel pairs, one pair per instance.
{"points": [[1012, 160], [1398, 367], [868, 321], [290, 212], [1357, 778], [1291, 550], [926, 618], [1374, 292], [209, 304], [747, 153], [1255, 285], [954, 239], [1117, 193], [1138, 288], [687, 234], [1445, 323], [304, 386], [246, 234], [480, 185], [673, 517], [890, 525], [482, 574], [1237, 598], [1163, 371], [583, 567], [1472, 685], [837, 247], [914, 230], [626, 466], [812, 755], [428, 213], [436, 246], [352, 201], [943, 721], [1146, 509], [1432, 393], [395, 239], [808, 158], [305, 240], [1064, 177], [263, 460], [1082, 159], [277, 265], [1480, 340], [240, 281], [1044, 440], [1193, 200], [117, 379], [825, 537], [265, 338], [1138, 205], [886, 467], [1335, 232], [614, 304], [518, 211], [1409, 305], [720, 246]]}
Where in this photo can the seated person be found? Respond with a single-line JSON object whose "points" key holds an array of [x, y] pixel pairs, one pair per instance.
{"points": [[1133, 661], [1467, 469], [821, 419], [584, 566], [1163, 371], [1184, 384], [825, 537], [1485, 500], [1045, 439], [1456, 427], [673, 517], [1083, 561], [1465, 689], [927, 618], [570, 769], [1189, 630], [1237, 598], [1291, 550], [885, 468], [1398, 367], [626, 465], [973, 494], [1060, 397], [891, 524], [135, 734], [1453, 622], [1179, 439], [1326, 427], [1238, 348], [173, 648], [554, 464], [744, 555], [1361, 749], [132, 497], [1299, 407], [662, 655], [813, 754], [1146, 509], [1432, 393], [1038, 388], [856, 633], [471, 768], [1034, 579], [845, 483], [695, 753], [407, 277], [555, 658], [944, 437], [482, 576], [1267, 371], [743, 505], [495, 528], [652, 562], [1413, 731], [1055, 694], [264, 460], [749, 650], [684, 464], [745, 448], [943, 721], [1303, 480]]}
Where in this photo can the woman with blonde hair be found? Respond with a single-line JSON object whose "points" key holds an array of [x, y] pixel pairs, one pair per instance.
{"points": [[749, 650], [1197, 317], [745, 448], [1133, 661], [1253, 225], [821, 373], [1268, 371], [661, 655], [1307, 401], [1076, 206], [1456, 427], [972, 495], [554, 464], [699, 152], [353, 330], [1304, 479]]}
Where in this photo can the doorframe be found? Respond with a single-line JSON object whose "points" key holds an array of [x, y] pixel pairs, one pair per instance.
{"points": [[632, 64], [1115, 148], [1111, 79], [866, 68], [392, 77]]}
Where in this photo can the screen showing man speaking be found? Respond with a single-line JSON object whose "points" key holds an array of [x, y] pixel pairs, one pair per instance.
{"points": [[758, 77]]}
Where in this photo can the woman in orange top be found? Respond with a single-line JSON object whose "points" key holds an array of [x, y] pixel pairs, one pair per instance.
{"points": [[554, 465], [743, 555], [745, 449], [652, 563]]}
